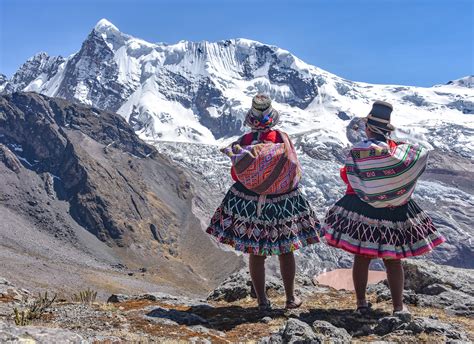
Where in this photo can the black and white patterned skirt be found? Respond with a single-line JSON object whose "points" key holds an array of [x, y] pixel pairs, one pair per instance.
{"points": [[397, 232], [264, 225]]}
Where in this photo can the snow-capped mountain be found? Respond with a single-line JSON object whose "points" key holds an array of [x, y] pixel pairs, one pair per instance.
{"points": [[199, 92], [467, 81], [195, 94]]}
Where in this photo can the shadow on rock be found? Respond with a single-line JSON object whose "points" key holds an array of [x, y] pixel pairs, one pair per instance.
{"points": [[217, 318], [355, 324], [228, 317]]}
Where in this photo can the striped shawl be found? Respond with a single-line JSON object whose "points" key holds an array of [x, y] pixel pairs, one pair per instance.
{"points": [[385, 175]]}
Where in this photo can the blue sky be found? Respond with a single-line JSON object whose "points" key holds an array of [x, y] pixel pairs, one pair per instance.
{"points": [[411, 42]]}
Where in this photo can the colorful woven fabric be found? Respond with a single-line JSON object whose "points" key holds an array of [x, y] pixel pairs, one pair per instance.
{"points": [[401, 232], [280, 224], [383, 175], [266, 168]]}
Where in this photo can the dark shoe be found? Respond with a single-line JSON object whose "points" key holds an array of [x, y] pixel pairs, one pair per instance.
{"points": [[362, 310], [265, 307]]}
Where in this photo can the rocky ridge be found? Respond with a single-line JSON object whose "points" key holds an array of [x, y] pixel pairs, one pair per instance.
{"points": [[79, 187], [326, 316]]}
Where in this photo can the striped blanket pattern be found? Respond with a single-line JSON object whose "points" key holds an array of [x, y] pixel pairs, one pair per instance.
{"points": [[266, 168], [385, 176]]}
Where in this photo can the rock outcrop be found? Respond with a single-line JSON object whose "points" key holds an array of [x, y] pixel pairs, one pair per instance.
{"points": [[239, 286], [9, 293], [432, 285]]}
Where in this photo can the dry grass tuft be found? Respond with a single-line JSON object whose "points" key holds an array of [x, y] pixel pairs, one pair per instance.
{"points": [[33, 310], [85, 296]]}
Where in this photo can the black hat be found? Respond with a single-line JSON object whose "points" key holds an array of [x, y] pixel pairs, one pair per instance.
{"points": [[379, 116]]}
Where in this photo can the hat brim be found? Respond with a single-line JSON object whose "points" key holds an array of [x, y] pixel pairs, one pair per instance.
{"points": [[388, 126]]}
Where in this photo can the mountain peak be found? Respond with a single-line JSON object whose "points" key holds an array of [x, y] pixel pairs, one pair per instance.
{"points": [[104, 25], [39, 56], [109, 33], [467, 81]]}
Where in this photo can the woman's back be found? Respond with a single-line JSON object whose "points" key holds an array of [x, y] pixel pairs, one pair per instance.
{"points": [[384, 174], [267, 136], [265, 213]]}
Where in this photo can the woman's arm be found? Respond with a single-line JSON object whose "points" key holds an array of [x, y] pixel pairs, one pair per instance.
{"points": [[343, 174]]}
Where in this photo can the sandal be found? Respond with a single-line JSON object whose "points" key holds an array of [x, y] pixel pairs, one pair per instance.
{"points": [[295, 303], [403, 313], [404, 309], [265, 306], [362, 310]]}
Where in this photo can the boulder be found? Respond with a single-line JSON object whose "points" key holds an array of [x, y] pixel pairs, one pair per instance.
{"points": [[294, 331], [297, 331], [239, 286], [428, 325], [421, 276], [441, 286], [331, 333], [432, 285], [387, 324]]}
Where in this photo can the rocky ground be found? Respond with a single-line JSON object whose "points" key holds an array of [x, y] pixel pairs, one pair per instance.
{"points": [[441, 300]]}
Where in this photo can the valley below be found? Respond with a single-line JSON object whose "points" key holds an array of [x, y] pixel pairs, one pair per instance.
{"points": [[86, 203]]}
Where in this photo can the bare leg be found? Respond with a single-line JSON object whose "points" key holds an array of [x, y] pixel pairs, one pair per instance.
{"points": [[360, 275], [257, 273], [396, 281], [288, 271]]}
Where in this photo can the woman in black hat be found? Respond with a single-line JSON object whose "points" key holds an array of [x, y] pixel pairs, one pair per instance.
{"points": [[377, 217]]}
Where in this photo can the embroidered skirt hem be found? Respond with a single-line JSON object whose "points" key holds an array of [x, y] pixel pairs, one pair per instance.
{"points": [[272, 225], [400, 232]]}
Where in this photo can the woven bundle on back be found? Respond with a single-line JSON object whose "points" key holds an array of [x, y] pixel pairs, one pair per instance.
{"points": [[266, 168], [385, 176]]}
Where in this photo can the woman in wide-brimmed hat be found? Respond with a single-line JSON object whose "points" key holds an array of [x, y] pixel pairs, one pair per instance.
{"points": [[377, 217], [264, 212]]}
